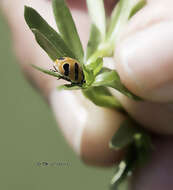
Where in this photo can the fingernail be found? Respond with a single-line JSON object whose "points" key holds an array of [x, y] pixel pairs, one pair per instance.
{"points": [[145, 61]]}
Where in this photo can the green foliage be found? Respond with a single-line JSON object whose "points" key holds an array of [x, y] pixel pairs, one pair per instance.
{"points": [[101, 96], [112, 79], [69, 87], [114, 19], [97, 13], [47, 45], [119, 19], [95, 66], [43, 31], [97, 78], [67, 28], [94, 41], [139, 5], [54, 74], [130, 135], [68, 43], [124, 136]]}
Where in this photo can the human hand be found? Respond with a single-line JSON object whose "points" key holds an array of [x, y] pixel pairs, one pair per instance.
{"points": [[89, 128]]}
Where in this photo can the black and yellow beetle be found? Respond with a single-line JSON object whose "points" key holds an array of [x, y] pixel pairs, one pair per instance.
{"points": [[70, 69]]}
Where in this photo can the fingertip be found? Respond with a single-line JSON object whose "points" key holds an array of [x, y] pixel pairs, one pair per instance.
{"points": [[101, 125], [144, 56], [87, 128]]}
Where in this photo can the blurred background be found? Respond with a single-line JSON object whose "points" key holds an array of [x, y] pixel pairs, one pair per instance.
{"points": [[32, 147]]}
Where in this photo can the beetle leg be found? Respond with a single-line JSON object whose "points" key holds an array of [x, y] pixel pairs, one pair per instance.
{"points": [[55, 69], [52, 70]]}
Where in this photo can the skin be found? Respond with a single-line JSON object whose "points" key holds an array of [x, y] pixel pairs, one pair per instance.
{"points": [[143, 58]]}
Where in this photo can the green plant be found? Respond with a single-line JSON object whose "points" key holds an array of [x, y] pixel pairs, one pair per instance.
{"points": [[98, 79]]}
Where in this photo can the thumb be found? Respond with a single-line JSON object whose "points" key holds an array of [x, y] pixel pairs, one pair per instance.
{"points": [[144, 52]]}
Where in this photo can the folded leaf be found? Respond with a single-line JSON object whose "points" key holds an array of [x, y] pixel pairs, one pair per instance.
{"points": [[36, 22], [67, 28]]}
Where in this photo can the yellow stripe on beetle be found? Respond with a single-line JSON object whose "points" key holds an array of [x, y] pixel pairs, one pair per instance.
{"points": [[70, 69]]}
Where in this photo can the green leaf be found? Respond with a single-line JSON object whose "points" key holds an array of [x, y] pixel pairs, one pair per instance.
{"points": [[37, 23], [46, 44], [119, 19], [143, 146], [124, 136], [112, 79], [94, 41], [124, 170], [96, 66], [97, 13], [69, 87], [96, 46], [139, 5], [105, 69], [89, 76], [54, 74], [101, 96], [67, 28], [138, 146], [123, 185], [114, 18]]}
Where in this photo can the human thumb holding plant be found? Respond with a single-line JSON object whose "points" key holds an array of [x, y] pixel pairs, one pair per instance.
{"points": [[143, 58]]}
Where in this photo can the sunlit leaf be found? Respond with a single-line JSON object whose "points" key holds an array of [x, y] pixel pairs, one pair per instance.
{"points": [[96, 66], [114, 18], [97, 14], [119, 18], [112, 79], [67, 28], [36, 22], [101, 96], [89, 75]]}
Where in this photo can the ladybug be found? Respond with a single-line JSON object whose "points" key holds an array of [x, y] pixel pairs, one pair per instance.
{"points": [[70, 69]]}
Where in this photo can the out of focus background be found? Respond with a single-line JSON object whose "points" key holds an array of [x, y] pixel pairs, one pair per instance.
{"points": [[33, 152]]}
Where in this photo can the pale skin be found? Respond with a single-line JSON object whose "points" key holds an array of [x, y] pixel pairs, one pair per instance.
{"points": [[143, 58]]}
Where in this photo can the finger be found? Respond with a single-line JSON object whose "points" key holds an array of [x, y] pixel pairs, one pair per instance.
{"points": [[144, 52], [157, 174], [23, 37], [87, 128], [155, 117]]}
